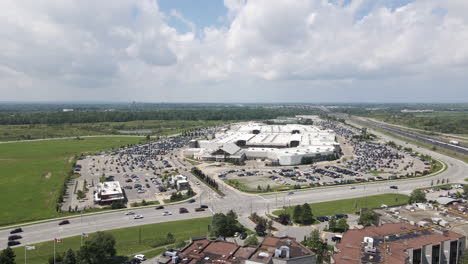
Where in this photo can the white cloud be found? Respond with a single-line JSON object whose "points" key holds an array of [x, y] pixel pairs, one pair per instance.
{"points": [[125, 50]]}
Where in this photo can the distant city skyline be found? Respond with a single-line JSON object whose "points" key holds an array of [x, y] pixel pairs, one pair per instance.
{"points": [[234, 51]]}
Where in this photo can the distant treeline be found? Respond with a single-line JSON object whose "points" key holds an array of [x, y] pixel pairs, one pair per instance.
{"points": [[228, 113]]}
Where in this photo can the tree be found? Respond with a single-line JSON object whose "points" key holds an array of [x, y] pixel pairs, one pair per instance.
{"points": [[219, 226], [465, 189], [148, 137], [332, 224], [69, 257], [231, 223], [368, 218], [284, 218], [170, 238], [99, 248], [251, 240], [297, 214], [342, 225], [314, 243], [307, 216], [180, 244], [261, 226], [7, 256], [417, 196]]}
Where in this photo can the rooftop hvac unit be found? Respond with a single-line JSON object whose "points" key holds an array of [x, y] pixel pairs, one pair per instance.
{"points": [[370, 249], [369, 241], [175, 259], [170, 253]]}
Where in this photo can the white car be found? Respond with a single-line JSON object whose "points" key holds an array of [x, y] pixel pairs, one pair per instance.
{"points": [[140, 257], [129, 213], [166, 213], [352, 187], [138, 217]]}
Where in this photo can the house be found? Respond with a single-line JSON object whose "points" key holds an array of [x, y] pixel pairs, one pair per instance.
{"points": [[273, 250]]}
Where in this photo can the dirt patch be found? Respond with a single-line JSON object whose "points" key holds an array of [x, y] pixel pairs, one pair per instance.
{"points": [[48, 175], [70, 160]]}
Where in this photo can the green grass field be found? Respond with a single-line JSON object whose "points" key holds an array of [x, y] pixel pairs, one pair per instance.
{"points": [[349, 206], [153, 127], [128, 239], [31, 174]]}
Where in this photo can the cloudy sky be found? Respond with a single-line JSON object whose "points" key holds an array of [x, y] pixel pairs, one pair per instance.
{"points": [[234, 50]]}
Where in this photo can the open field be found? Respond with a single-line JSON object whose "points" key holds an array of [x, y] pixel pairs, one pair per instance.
{"points": [[349, 206], [144, 127], [128, 239], [32, 174]]}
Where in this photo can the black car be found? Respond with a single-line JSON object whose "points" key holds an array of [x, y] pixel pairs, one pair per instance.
{"points": [[183, 210], [14, 237], [393, 187], [13, 243], [243, 236], [159, 207], [204, 206], [64, 222], [339, 216], [17, 230], [147, 185], [322, 218], [191, 201]]}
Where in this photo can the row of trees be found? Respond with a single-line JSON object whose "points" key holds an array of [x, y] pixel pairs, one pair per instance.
{"points": [[261, 224], [226, 113], [318, 158], [98, 249], [205, 178]]}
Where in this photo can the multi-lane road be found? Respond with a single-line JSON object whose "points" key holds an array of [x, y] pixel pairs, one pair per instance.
{"points": [[242, 203]]}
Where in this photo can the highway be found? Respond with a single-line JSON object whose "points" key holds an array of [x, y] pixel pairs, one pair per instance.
{"points": [[244, 204]]}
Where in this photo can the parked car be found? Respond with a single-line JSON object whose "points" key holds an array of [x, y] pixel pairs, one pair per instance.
{"points": [[336, 238], [243, 236], [13, 243], [159, 207], [167, 213], [140, 257], [199, 209], [14, 237], [322, 218], [64, 222], [339, 216], [17, 230]]}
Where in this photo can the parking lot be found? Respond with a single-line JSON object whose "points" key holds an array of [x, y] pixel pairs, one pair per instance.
{"points": [[361, 161], [144, 172]]}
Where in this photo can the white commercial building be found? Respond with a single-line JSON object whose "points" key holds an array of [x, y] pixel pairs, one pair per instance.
{"points": [[108, 192], [281, 144]]}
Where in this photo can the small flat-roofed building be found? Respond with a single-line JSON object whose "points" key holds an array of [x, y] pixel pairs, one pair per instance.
{"points": [[273, 250], [399, 243], [180, 182], [108, 192]]}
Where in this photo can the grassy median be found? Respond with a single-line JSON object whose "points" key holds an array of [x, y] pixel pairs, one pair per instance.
{"points": [[129, 240], [349, 206]]}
